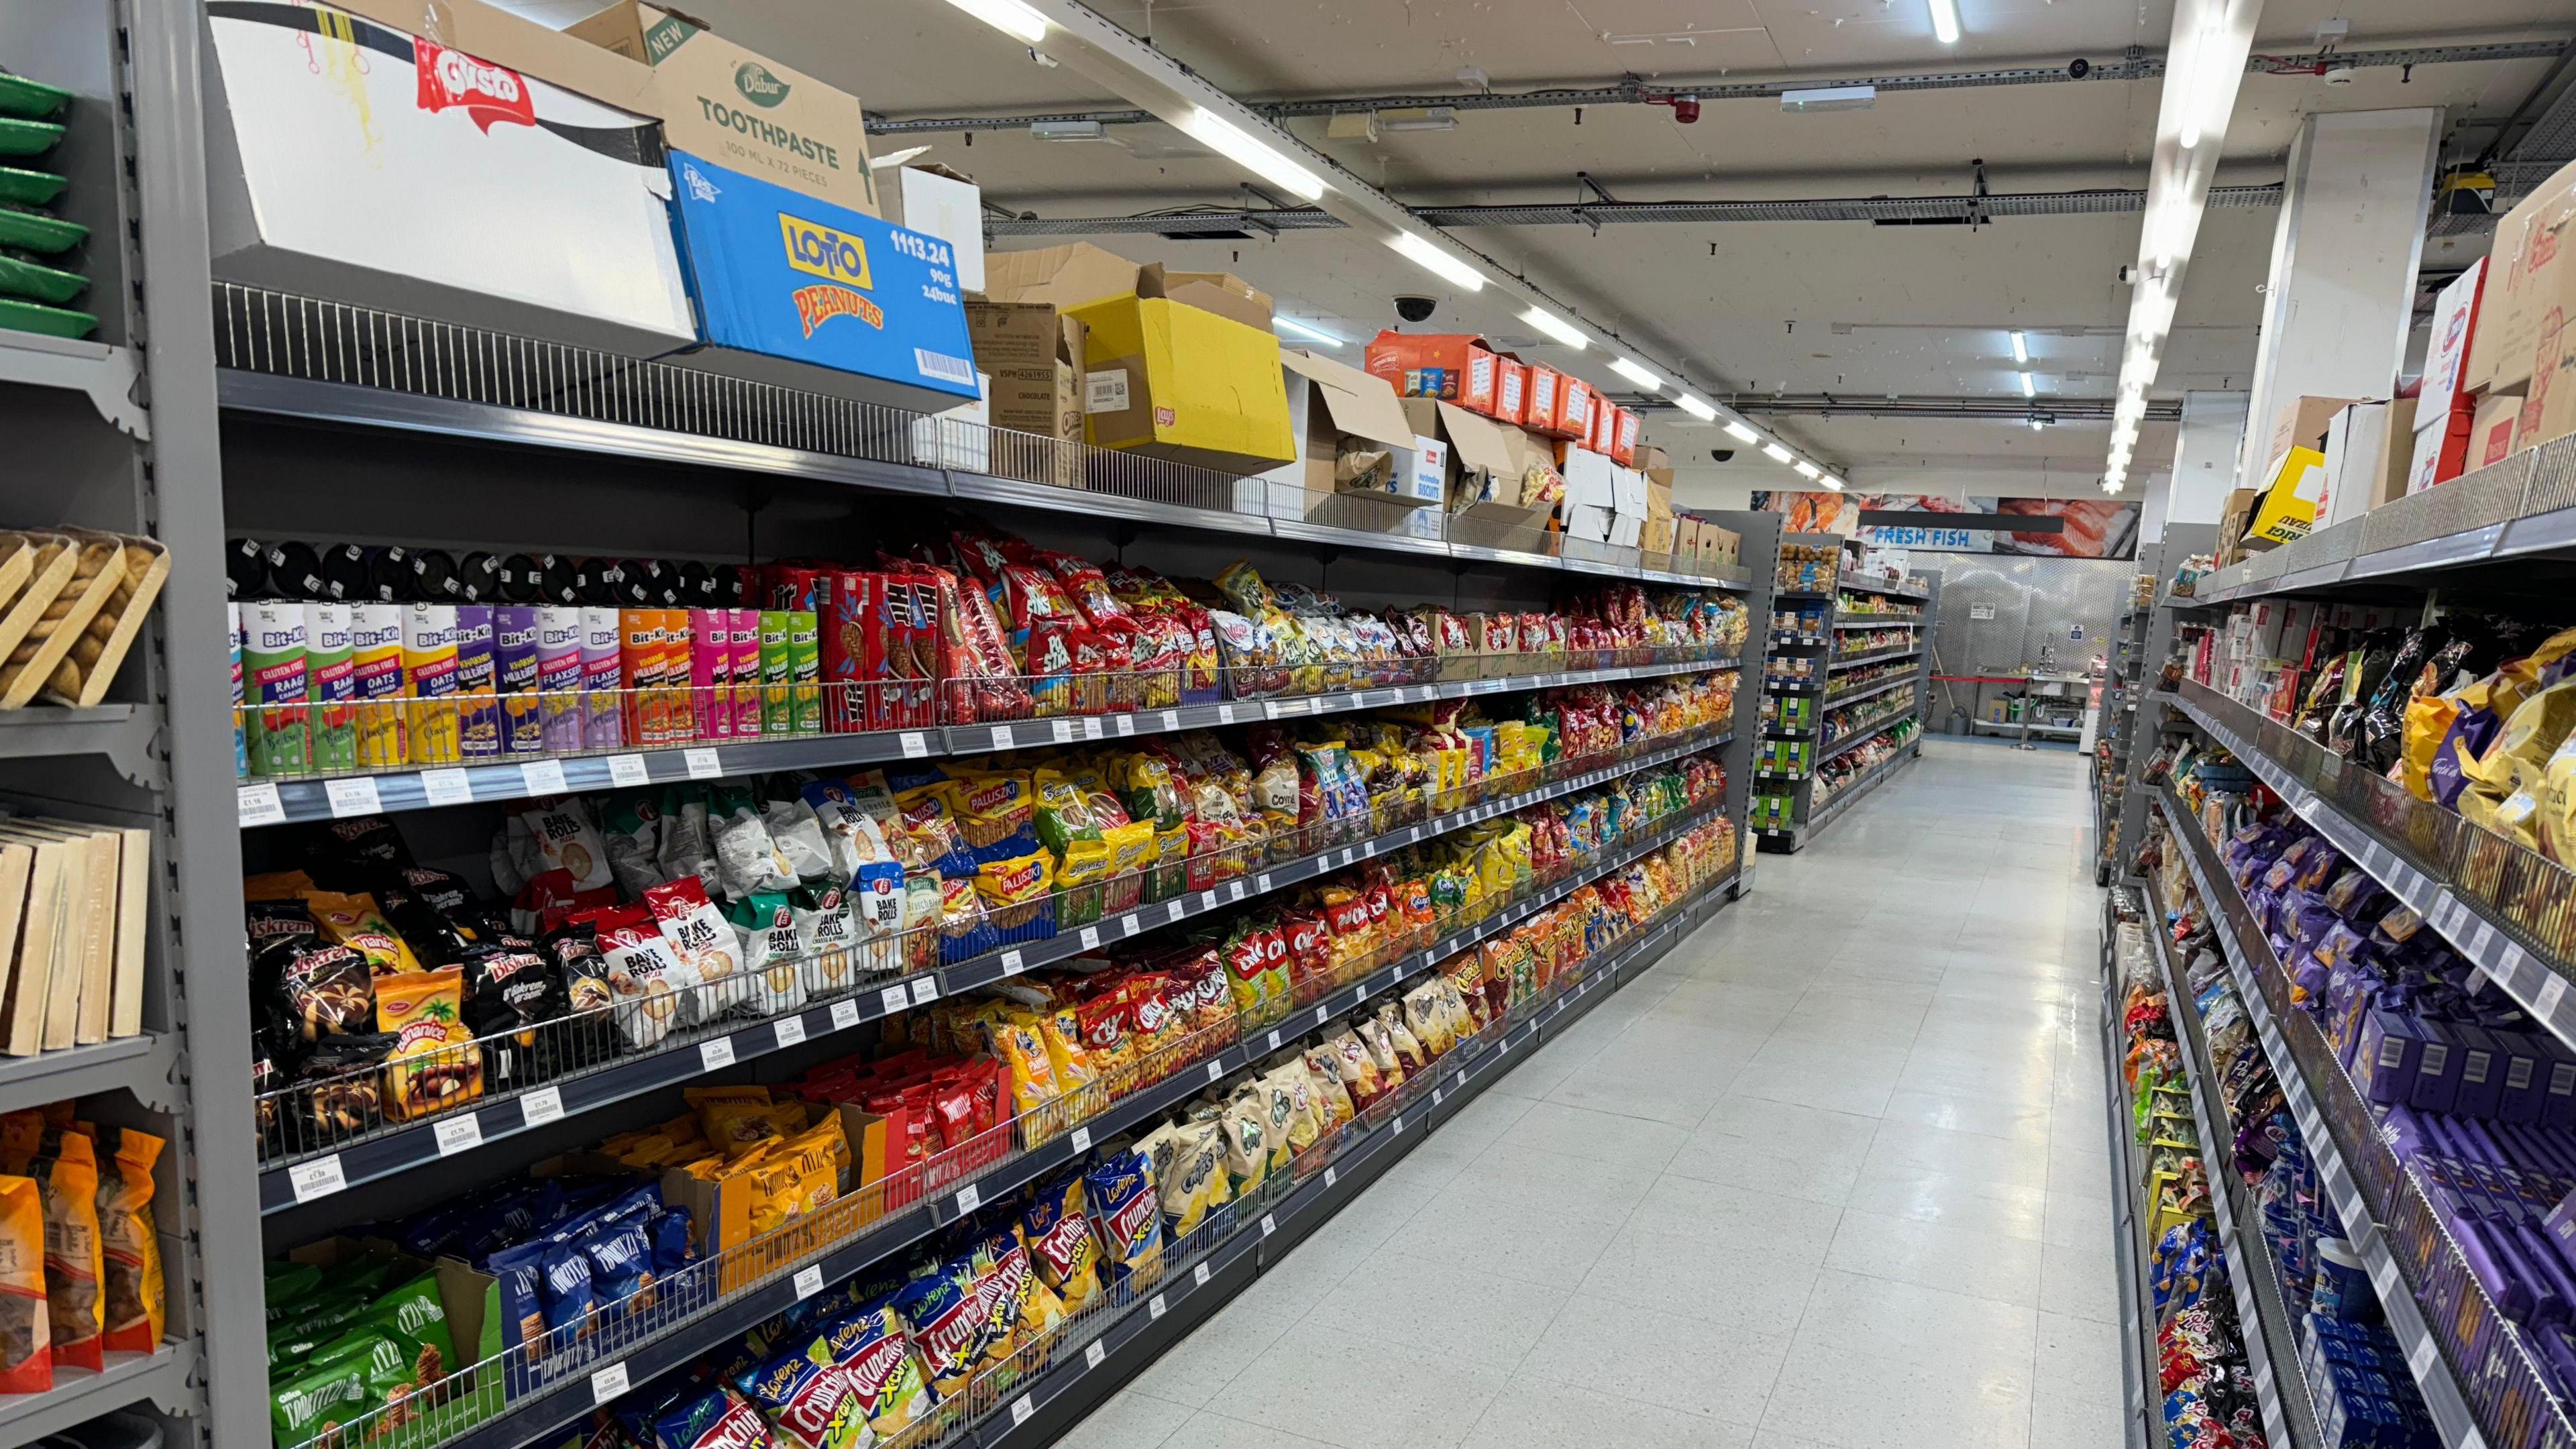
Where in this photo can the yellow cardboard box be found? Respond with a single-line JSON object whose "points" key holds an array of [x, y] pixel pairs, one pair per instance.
{"points": [[2289, 507], [1177, 382]]}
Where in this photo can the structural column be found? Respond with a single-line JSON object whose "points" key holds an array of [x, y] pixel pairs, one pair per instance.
{"points": [[2341, 297]]}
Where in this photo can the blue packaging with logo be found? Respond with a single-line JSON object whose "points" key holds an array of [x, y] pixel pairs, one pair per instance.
{"points": [[780, 273]]}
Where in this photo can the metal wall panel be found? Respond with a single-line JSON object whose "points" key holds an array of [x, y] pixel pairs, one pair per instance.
{"points": [[2037, 603]]}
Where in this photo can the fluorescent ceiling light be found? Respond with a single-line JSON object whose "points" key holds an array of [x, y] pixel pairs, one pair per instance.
{"points": [[1775, 452], [1694, 406], [1945, 21], [2021, 348], [1313, 334], [1437, 262], [2028, 387], [2036, 425], [1809, 470], [1740, 433], [1243, 149], [1010, 17], [1641, 376], [1834, 483], [1556, 327]]}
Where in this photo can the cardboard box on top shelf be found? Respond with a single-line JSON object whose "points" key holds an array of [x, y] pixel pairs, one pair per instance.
{"points": [[2441, 444], [1651, 460], [351, 157], [1355, 437], [2288, 511], [1169, 380], [1576, 402], [1066, 276], [1511, 389], [1452, 367], [2368, 447], [2456, 312], [1623, 447], [1686, 537], [2232, 520], [2528, 272], [938, 201], [1628, 491], [1591, 480], [1659, 496], [1033, 354], [2301, 423], [1546, 393], [731, 105], [1723, 546], [1627, 530], [1605, 425], [1658, 535], [1588, 522], [1488, 474]]}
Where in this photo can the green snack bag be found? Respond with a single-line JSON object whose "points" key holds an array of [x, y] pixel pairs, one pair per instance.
{"points": [[278, 722], [331, 679], [316, 1401], [805, 672], [289, 1284], [777, 715], [414, 1319]]}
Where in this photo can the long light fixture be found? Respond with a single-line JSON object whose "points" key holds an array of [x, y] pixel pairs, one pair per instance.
{"points": [[1945, 21], [1833, 482], [1696, 406], [1556, 327], [1238, 146], [1010, 17], [1637, 373], [1311, 334], [2206, 64], [2021, 349], [2029, 388], [1775, 452], [1437, 262], [1740, 433], [1809, 470]]}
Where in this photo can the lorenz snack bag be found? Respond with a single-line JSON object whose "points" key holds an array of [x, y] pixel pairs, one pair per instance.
{"points": [[434, 1064], [885, 1375], [135, 1306], [807, 1399], [26, 1328], [1125, 1215], [1060, 1241], [67, 1175]]}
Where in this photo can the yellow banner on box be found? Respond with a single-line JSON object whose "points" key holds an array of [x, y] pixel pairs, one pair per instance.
{"points": [[2289, 508]]}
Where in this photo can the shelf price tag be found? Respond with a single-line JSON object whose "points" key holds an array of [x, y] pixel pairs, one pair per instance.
{"points": [[845, 1014], [544, 777], [809, 1281], [702, 764], [914, 744], [1268, 1225], [1012, 965], [1331, 1177], [1216, 1070], [1124, 724], [260, 805], [2552, 992], [1154, 1308], [1081, 1139], [1199, 1275], [1093, 1354], [1020, 1411], [460, 1133], [1064, 732], [1171, 719], [541, 1106], [355, 795], [1003, 739], [1273, 1039], [925, 990], [790, 1030], [447, 787], [1264, 882], [1090, 727], [2419, 1359], [1091, 938], [623, 770], [717, 1054], [969, 1198], [1234, 890], [894, 998], [316, 1179], [607, 1384]]}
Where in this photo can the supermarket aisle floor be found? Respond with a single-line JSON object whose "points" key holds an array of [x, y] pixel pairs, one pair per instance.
{"points": [[1832, 1176]]}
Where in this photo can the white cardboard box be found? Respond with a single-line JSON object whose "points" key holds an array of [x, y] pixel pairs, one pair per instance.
{"points": [[1590, 481], [1628, 492], [951, 209], [1588, 521], [2446, 356]]}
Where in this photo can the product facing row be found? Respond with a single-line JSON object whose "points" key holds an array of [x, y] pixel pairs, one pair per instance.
{"points": [[965, 627]]}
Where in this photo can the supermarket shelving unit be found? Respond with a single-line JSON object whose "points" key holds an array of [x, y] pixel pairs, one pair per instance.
{"points": [[2134, 742], [1819, 645], [2145, 636], [2140, 1417], [208, 410]]}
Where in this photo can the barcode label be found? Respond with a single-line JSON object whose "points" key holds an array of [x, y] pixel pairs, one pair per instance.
{"points": [[1331, 1177], [459, 1133], [925, 990], [894, 998], [546, 777], [316, 1179], [623, 770], [1081, 1139], [716, 1054], [541, 1106], [1154, 1307], [1012, 965], [1093, 1353], [450, 787], [1199, 1275], [845, 1014], [1267, 1225], [809, 1281], [607, 1384], [354, 796], [914, 745], [702, 764], [790, 1029], [969, 1198], [1020, 1411], [943, 367]]}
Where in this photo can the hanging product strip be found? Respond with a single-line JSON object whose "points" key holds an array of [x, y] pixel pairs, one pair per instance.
{"points": [[512, 1397], [324, 1136], [2478, 1373], [2508, 910]]}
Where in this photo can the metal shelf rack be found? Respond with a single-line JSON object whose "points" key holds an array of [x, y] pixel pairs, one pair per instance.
{"points": [[1805, 815]]}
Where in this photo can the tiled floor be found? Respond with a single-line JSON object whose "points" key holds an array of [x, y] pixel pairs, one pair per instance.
{"points": [[1832, 1176]]}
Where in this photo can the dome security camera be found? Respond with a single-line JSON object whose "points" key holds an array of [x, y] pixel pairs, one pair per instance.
{"points": [[1721, 455], [1415, 309], [2079, 67]]}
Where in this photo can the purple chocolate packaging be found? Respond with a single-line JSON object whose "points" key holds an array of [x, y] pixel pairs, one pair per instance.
{"points": [[2526, 1079], [2383, 1058], [478, 705], [514, 647], [559, 677], [2482, 1062], [2436, 1078]]}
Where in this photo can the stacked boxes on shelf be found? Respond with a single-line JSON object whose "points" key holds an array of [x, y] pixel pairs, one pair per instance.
{"points": [[39, 270]]}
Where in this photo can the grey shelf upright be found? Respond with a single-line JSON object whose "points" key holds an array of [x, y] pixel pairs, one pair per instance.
{"points": [[2145, 726], [1808, 817], [118, 431]]}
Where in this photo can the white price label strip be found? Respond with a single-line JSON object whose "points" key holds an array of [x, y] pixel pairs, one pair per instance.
{"points": [[1124, 724], [915, 744], [1154, 1307], [628, 770], [809, 1281], [353, 796], [1020, 1411], [969, 1198], [1012, 965], [316, 1179], [703, 764], [1081, 1139], [541, 1106], [1331, 1177], [607, 1384], [450, 787], [1091, 938], [544, 777], [894, 998], [790, 1030], [845, 1014], [1268, 1225], [459, 1133], [717, 1054], [1216, 1070], [2552, 992], [1003, 738], [1093, 1354], [260, 805], [1274, 1042]]}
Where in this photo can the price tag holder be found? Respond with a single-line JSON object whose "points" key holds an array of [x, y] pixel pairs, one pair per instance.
{"points": [[1273, 1039], [1395, 1128], [1264, 882], [1207, 901], [1012, 965], [925, 990], [260, 805], [1331, 1177], [1215, 1070], [845, 1014], [1234, 890], [2552, 992], [1064, 732], [451, 787], [545, 777], [1154, 1308], [607, 1384], [717, 1054], [460, 1133], [1319, 1015], [1199, 1275], [624, 770], [894, 998], [316, 1179], [1268, 1225], [914, 744], [969, 1198], [355, 795], [1020, 1411], [809, 1281], [1171, 719], [1124, 724], [703, 764], [1093, 1354], [1090, 727], [1091, 938], [1004, 739], [2383, 1276], [790, 1030], [1128, 925], [541, 1106], [1081, 1139], [1225, 714], [2419, 1359]]}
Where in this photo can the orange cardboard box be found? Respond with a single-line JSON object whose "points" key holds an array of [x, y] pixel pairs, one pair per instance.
{"points": [[1546, 392], [1511, 389], [1623, 442], [1575, 404], [1453, 367]]}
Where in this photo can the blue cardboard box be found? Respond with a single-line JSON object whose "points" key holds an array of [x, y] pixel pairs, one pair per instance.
{"points": [[780, 274]]}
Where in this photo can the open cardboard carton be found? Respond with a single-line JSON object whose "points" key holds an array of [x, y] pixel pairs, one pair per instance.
{"points": [[1499, 476], [1034, 354], [1356, 438]]}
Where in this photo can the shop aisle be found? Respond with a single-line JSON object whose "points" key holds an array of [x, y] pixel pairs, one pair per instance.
{"points": [[1832, 1176]]}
